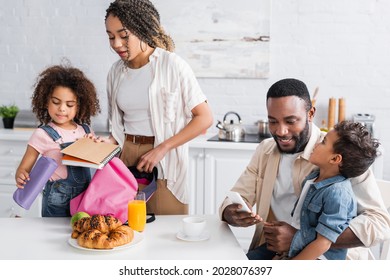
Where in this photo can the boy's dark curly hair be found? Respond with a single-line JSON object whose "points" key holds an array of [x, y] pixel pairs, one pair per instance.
{"points": [[356, 146], [72, 78]]}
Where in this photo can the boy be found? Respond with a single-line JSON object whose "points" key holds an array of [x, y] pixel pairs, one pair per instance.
{"points": [[327, 203]]}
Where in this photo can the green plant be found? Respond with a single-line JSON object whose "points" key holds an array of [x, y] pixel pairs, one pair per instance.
{"points": [[8, 111]]}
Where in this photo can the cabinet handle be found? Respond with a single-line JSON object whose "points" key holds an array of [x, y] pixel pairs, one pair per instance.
{"points": [[10, 151], [200, 156]]}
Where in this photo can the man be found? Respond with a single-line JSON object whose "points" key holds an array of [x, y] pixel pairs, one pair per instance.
{"points": [[273, 179]]}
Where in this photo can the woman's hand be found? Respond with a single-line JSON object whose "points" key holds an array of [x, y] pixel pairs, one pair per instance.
{"points": [[152, 158], [201, 120]]}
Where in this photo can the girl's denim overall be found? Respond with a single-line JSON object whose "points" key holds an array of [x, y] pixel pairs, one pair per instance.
{"points": [[57, 194]]}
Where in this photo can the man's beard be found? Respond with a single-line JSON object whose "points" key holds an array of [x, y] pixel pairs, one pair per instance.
{"points": [[300, 141]]}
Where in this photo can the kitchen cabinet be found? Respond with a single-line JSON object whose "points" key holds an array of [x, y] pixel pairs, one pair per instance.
{"points": [[214, 167], [12, 147], [213, 172]]}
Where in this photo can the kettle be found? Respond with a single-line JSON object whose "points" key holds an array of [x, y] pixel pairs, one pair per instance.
{"points": [[231, 131]]}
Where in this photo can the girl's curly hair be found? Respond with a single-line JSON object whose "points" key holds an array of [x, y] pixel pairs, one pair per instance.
{"points": [[143, 20], [357, 147], [69, 77]]}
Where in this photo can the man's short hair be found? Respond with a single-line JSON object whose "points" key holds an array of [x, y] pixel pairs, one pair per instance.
{"points": [[290, 87]]}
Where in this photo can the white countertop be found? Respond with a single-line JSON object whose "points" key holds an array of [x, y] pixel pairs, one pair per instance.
{"points": [[16, 134], [47, 239]]}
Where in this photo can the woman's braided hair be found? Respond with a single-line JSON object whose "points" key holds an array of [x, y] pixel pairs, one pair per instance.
{"points": [[142, 19]]}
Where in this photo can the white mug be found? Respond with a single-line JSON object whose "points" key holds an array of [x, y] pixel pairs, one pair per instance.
{"points": [[193, 226]]}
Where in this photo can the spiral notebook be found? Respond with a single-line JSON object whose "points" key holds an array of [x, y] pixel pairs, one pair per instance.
{"points": [[86, 152]]}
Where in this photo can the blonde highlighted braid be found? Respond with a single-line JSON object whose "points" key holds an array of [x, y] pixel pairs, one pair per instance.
{"points": [[142, 19]]}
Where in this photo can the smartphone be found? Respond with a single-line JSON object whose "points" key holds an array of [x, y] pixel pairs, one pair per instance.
{"points": [[235, 197]]}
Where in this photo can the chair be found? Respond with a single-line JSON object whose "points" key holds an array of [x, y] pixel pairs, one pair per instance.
{"points": [[384, 248]]}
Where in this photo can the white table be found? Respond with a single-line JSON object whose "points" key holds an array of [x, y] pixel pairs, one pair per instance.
{"points": [[47, 239]]}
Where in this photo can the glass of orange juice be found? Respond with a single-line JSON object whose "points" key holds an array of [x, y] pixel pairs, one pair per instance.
{"points": [[136, 212]]}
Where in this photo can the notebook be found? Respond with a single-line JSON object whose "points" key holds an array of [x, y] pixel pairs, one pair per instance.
{"points": [[86, 152]]}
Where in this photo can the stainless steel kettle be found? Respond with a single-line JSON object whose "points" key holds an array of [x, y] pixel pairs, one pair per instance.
{"points": [[229, 130]]}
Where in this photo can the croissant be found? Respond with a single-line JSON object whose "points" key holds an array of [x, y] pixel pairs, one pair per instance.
{"points": [[100, 222], [95, 239], [121, 235]]}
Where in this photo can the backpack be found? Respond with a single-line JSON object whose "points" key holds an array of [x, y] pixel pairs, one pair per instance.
{"points": [[110, 190]]}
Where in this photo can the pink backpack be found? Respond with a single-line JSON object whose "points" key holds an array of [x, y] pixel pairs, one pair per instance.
{"points": [[109, 192]]}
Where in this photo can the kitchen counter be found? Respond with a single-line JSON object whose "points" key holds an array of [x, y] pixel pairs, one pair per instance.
{"points": [[47, 239], [16, 134], [201, 142], [198, 142]]}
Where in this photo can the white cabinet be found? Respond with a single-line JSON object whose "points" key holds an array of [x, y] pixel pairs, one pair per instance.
{"points": [[213, 172], [196, 180], [12, 147], [214, 168]]}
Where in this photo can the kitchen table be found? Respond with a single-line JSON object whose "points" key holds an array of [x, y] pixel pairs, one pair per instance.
{"points": [[47, 239]]}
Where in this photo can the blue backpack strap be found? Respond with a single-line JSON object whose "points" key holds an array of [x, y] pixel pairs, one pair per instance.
{"points": [[86, 128], [51, 132], [54, 134]]}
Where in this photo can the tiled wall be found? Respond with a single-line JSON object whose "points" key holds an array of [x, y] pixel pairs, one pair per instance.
{"points": [[341, 46]]}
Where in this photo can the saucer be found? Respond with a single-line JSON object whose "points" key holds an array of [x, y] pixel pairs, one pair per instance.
{"points": [[204, 236]]}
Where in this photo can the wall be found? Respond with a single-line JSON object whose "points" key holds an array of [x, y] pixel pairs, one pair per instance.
{"points": [[341, 46]]}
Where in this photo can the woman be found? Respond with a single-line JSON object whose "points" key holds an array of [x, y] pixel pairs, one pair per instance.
{"points": [[155, 102]]}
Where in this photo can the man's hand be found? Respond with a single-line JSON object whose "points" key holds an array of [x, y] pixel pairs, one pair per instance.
{"points": [[278, 236], [237, 218]]}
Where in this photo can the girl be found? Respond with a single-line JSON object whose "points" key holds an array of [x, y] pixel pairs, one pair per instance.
{"points": [[64, 100], [155, 102]]}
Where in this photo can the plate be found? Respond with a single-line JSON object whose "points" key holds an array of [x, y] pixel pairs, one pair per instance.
{"points": [[204, 236], [138, 237]]}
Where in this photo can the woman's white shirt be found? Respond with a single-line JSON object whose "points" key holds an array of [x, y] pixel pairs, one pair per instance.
{"points": [[133, 100], [173, 93]]}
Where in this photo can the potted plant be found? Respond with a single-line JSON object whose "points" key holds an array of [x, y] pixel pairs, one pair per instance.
{"points": [[8, 113]]}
